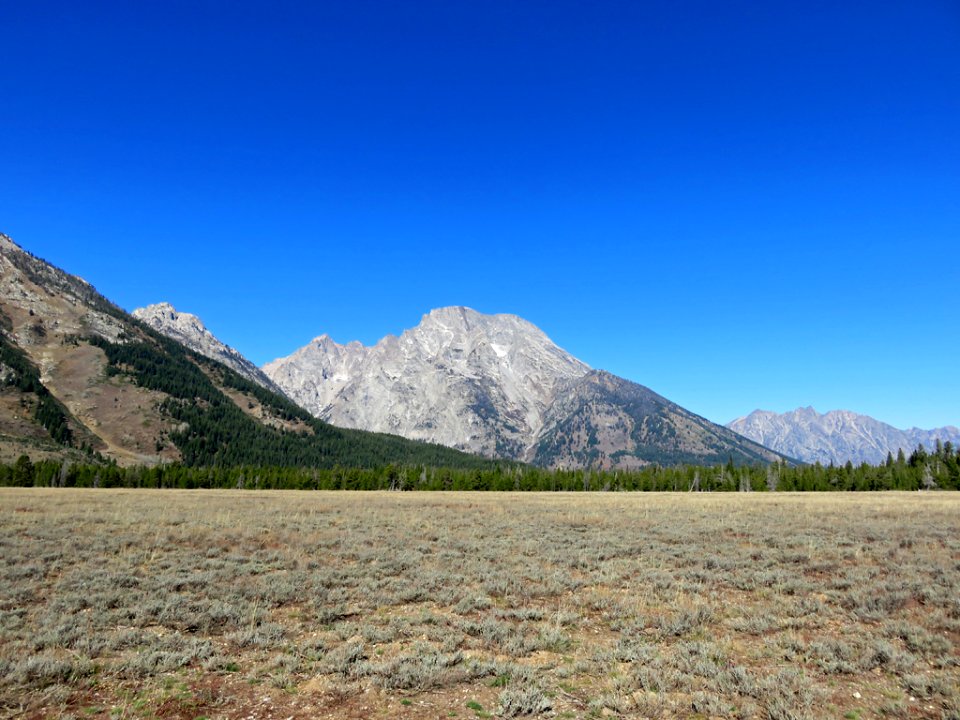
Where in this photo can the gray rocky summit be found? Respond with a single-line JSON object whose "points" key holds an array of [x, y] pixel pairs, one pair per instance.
{"points": [[477, 382], [498, 386], [190, 331], [837, 436]]}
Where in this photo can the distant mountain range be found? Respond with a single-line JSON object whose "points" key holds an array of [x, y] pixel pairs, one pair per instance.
{"points": [[80, 378], [493, 385], [498, 386], [837, 436]]}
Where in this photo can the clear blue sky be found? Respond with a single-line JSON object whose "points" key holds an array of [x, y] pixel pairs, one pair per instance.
{"points": [[737, 204]]}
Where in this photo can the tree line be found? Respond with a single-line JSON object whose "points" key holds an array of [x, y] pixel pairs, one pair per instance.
{"points": [[922, 470]]}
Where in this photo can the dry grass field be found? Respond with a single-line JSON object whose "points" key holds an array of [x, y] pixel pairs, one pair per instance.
{"points": [[215, 604]]}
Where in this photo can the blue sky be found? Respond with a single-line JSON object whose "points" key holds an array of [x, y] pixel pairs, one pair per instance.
{"points": [[737, 204]]}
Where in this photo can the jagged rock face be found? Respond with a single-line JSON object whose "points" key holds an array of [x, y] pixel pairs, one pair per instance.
{"points": [[189, 330], [476, 382], [837, 436], [496, 385]]}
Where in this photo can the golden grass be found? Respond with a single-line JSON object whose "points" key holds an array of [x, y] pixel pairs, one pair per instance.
{"points": [[131, 603]]}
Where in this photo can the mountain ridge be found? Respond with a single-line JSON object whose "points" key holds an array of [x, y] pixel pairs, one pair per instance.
{"points": [[81, 377], [837, 436], [634, 426], [189, 330], [464, 352], [495, 385], [499, 380]]}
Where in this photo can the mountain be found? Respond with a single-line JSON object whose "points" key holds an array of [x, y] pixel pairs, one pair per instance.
{"points": [[603, 420], [498, 386], [477, 382], [189, 330], [80, 378], [837, 436]]}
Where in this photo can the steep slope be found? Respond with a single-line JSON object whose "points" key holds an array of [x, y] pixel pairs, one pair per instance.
{"points": [[101, 381], [837, 436], [44, 312], [602, 420], [32, 421], [476, 382], [189, 330], [497, 385]]}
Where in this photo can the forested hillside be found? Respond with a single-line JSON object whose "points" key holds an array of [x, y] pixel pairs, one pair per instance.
{"points": [[214, 431], [117, 388]]}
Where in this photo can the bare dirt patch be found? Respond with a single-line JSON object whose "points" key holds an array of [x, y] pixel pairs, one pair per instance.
{"points": [[122, 415]]}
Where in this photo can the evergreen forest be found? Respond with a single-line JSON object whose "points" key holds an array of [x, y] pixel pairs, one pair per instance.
{"points": [[922, 470]]}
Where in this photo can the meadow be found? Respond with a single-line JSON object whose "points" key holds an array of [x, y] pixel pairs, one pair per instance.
{"points": [[281, 604]]}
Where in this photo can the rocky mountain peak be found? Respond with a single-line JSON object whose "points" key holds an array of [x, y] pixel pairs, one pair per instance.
{"points": [[189, 330], [458, 318], [163, 314], [498, 386], [453, 315], [460, 377], [164, 308]]}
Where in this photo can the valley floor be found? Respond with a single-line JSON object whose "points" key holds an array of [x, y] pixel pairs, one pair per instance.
{"points": [[242, 604]]}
